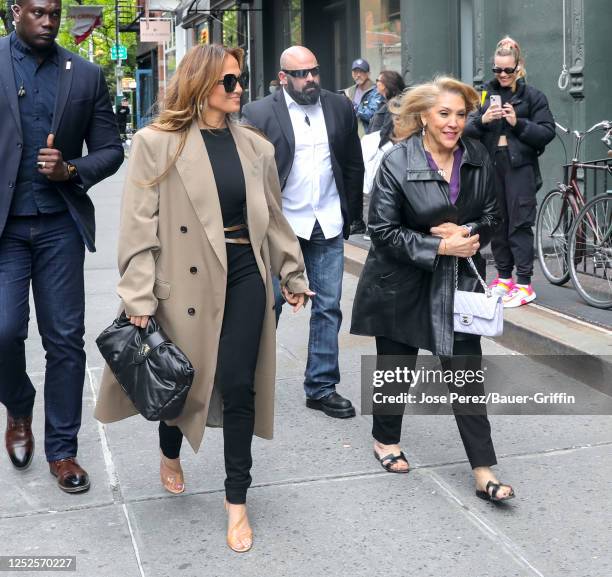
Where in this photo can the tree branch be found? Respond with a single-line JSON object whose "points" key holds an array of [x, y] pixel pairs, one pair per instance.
{"points": [[5, 15]]}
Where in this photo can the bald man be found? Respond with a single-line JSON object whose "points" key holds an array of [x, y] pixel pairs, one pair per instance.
{"points": [[320, 166]]}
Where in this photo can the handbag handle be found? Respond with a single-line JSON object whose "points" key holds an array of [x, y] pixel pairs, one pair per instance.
{"points": [[487, 290]]}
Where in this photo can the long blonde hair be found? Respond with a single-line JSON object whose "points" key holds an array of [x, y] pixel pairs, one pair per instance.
{"points": [[186, 97], [422, 97], [509, 47]]}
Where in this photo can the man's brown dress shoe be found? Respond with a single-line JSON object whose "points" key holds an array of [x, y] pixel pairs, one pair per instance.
{"points": [[71, 477], [19, 441]]}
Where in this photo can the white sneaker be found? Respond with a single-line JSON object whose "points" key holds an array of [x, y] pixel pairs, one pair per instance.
{"points": [[500, 288], [518, 296]]}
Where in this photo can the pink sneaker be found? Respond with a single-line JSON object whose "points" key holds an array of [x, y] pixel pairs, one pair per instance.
{"points": [[519, 295], [500, 288]]}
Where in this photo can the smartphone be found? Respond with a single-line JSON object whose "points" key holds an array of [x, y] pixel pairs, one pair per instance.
{"points": [[495, 100]]}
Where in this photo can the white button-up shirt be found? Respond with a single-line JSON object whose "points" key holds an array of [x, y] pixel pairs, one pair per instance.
{"points": [[310, 193]]}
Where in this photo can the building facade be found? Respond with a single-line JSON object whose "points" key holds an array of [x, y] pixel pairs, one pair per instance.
{"points": [[459, 37], [423, 38]]}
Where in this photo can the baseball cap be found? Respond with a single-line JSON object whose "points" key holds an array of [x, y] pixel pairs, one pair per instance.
{"points": [[361, 64]]}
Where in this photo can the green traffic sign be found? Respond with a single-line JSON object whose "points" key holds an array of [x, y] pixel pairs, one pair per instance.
{"points": [[120, 54]]}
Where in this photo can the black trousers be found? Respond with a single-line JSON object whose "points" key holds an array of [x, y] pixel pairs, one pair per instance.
{"points": [[245, 304], [513, 241], [475, 429]]}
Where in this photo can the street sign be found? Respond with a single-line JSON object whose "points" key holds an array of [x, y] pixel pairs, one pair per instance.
{"points": [[128, 83], [120, 54], [156, 30]]}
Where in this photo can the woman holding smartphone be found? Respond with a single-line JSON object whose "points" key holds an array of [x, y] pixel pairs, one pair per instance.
{"points": [[515, 124], [201, 235]]}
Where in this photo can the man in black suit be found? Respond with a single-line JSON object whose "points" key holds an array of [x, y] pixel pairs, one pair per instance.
{"points": [[320, 166], [52, 101]]}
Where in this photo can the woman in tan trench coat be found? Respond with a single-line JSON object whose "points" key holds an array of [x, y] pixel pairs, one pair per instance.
{"points": [[201, 233]]}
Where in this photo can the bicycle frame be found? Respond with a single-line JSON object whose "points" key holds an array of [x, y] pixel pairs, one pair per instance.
{"points": [[570, 188], [572, 195]]}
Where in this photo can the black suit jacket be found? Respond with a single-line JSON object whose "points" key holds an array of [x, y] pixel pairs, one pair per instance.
{"points": [[270, 115], [83, 114]]}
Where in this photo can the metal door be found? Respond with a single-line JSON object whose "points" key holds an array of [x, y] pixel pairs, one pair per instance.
{"points": [[144, 97]]}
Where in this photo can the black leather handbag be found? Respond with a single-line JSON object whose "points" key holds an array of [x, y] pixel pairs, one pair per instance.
{"points": [[154, 373]]}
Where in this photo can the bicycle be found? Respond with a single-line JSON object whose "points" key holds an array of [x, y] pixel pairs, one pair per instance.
{"points": [[559, 211], [590, 246]]}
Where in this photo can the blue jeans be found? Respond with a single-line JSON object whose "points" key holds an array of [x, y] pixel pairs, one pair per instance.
{"points": [[48, 251], [324, 259]]}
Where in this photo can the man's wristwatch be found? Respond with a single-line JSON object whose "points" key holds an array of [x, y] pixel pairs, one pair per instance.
{"points": [[72, 170]]}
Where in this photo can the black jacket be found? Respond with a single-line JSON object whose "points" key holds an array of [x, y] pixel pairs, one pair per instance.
{"points": [[83, 113], [270, 115], [406, 290], [381, 116], [534, 129]]}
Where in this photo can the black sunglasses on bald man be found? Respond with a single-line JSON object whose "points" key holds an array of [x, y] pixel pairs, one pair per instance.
{"points": [[229, 82], [304, 72]]}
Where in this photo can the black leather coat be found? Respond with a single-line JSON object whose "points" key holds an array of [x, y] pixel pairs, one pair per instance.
{"points": [[406, 290]]}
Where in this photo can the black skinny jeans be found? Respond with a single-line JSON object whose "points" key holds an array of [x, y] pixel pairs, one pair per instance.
{"points": [[245, 304], [475, 430]]}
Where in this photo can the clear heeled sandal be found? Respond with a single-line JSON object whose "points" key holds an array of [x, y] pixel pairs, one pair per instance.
{"points": [[172, 479], [239, 535]]}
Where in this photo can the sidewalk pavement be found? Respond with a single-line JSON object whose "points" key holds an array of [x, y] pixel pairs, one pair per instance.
{"points": [[320, 505]]}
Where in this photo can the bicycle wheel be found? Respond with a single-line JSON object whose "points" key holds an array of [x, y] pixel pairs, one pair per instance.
{"points": [[553, 224], [591, 239]]}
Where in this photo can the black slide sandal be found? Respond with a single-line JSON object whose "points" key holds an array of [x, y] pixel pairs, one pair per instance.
{"points": [[492, 496], [391, 460]]}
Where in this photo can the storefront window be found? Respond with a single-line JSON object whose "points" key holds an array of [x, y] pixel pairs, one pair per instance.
{"points": [[170, 64], [381, 35], [170, 52]]}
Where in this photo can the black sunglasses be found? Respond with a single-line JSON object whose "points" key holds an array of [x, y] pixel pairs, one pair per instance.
{"points": [[304, 72], [498, 70], [229, 82]]}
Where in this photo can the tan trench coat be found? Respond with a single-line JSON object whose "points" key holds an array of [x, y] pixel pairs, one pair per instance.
{"points": [[168, 229]]}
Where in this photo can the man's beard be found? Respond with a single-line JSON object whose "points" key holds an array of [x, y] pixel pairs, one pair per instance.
{"points": [[309, 94]]}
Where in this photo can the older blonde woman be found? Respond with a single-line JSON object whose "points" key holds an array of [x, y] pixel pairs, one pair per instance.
{"points": [[201, 233], [433, 202]]}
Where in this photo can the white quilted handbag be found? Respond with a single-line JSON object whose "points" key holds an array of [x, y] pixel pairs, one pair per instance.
{"points": [[477, 313]]}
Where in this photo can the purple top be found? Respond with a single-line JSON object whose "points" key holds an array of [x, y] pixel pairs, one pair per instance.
{"points": [[455, 181]]}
